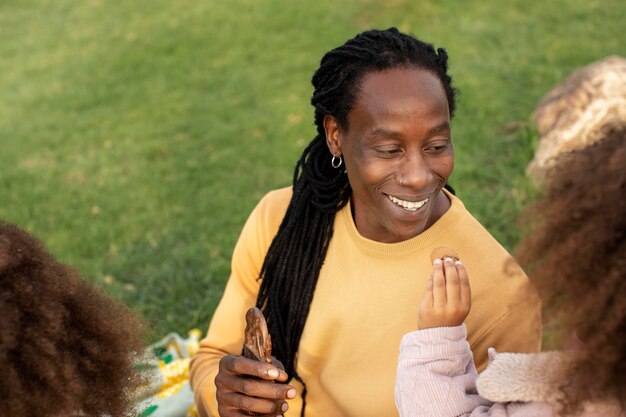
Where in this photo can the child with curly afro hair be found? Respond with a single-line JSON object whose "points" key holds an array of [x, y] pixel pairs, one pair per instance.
{"points": [[576, 255], [66, 348]]}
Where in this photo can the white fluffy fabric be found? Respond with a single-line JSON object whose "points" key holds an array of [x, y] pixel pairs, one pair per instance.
{"points": [[522, 377]]}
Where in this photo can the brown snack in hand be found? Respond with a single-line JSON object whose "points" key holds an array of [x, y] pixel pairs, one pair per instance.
{"points": [[443, 252], [257, 341]]}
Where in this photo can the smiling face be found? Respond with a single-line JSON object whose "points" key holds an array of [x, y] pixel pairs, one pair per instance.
{"points": [[397, 151]]}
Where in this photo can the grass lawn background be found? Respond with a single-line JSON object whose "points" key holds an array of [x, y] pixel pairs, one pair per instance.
{"points": [[136, 136]]}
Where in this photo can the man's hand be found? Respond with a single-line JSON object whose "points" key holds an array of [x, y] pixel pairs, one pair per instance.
{"points": [[246, 386]]}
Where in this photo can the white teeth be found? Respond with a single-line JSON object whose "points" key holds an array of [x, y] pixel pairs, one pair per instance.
{"points": [[408, 205]]}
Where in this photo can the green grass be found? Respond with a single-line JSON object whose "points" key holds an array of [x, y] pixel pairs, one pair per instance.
{"points": [[135, 137]]}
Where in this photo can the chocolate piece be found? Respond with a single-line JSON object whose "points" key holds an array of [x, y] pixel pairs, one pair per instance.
{"points": [[257, 341], [443, 252]]}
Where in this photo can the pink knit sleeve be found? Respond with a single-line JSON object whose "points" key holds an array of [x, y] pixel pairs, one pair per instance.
{"points": [[437, 377]]}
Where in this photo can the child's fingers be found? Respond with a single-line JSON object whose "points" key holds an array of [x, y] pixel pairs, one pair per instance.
{"points": [[426, 304], [427, 298], [464, 285], [453, 293], [439, 284]]}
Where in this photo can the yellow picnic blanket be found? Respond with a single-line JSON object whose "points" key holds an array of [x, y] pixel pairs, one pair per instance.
{"points": [[166, 365]]}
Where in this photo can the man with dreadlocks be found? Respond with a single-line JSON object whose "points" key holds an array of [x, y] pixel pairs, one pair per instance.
{"points": [[336, 261]]}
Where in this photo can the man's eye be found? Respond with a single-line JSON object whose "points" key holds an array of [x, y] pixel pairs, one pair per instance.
{"points": [[388, 152], [437, 148]]}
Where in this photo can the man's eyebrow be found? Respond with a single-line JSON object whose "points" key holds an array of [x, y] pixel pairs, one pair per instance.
{"points": [[382, 131], [439, 128]]}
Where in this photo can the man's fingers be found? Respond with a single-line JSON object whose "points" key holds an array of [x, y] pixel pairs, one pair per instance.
{"points": [[247, 386], [253, 378], [255, 405], [254, 387], [282, 375], [244, 366]]}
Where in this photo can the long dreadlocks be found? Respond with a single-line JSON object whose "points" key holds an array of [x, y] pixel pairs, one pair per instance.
{"points": [[295, 257]]}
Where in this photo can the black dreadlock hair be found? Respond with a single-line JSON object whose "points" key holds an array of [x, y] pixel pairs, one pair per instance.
{"points": [[295, 257]]}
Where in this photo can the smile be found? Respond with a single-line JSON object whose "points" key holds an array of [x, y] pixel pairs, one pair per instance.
{"points": [[408, 205]]}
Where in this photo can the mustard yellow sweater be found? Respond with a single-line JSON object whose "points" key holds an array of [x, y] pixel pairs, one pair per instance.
{"points": [[366, 299]]}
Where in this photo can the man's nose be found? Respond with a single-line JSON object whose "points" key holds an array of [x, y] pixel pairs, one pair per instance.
{"points": [[415, 171]]}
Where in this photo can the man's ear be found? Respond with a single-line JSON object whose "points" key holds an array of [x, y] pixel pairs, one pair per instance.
{"points": [[333, 135]]}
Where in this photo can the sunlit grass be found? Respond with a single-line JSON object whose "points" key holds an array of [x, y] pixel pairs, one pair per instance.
{"points": [[135, 137]]}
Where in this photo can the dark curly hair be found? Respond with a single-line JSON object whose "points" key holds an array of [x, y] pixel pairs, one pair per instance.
{"points": [[65, 346], [576, 253]]}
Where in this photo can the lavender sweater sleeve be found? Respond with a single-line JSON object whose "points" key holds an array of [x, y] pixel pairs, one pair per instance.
{"points": [[437, 378]]}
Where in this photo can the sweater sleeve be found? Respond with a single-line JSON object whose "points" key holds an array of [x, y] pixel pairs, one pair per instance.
{"points": [[517, 330], [225, 334], [437, 377]]}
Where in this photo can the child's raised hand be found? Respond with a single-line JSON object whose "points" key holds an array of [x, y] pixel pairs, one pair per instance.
{"points": [[447, 298]]}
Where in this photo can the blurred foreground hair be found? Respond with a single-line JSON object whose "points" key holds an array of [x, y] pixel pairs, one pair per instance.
{"points": [[65, 346], [576, 253]]}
